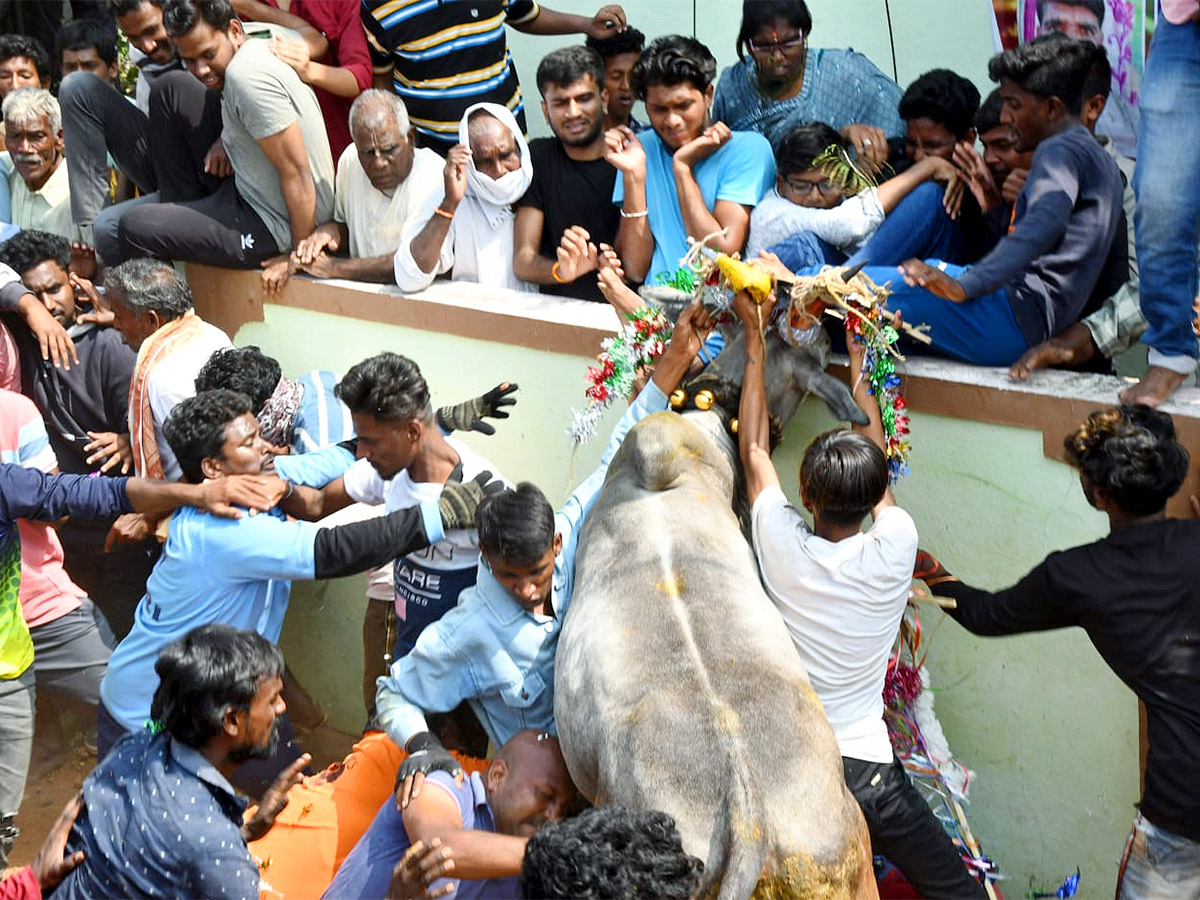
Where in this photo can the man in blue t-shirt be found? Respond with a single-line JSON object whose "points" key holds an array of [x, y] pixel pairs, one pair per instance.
{"points": [[689, 177], [241, 576]]}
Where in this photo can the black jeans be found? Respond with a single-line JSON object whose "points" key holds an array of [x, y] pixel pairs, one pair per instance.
{"points": [[221, 229], [904, 829]]}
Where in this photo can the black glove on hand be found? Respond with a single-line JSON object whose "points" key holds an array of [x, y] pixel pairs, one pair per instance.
{"points": [[469, 416], [426, 754], [460, 499]]}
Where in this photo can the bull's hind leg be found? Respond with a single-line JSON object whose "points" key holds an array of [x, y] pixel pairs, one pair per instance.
{"points": [[865, 887]]}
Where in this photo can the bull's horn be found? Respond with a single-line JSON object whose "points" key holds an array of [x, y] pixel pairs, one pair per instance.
{"points": [[847, 274]]}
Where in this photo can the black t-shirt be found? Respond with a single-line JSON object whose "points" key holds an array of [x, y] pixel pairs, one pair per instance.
{"points": [[571, 192], [1137, 595], [92, 396]]}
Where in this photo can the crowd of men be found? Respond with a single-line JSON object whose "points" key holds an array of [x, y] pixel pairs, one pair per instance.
{"points": [[388, 144]]}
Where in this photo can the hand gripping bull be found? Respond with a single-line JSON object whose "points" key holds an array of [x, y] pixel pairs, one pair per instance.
{"points": [[677, 686]]}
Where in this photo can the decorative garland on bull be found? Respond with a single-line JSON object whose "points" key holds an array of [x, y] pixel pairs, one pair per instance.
{"points": [[714, 278]]}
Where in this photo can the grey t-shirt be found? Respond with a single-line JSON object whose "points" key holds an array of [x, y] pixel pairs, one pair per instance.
{"points": [[262, 97]]}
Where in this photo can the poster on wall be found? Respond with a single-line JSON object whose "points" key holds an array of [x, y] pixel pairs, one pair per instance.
{"points": [[1122, 27]]}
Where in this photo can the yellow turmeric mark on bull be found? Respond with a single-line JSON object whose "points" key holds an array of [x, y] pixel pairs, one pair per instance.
{"points": [[727, 720], [672, 585]]}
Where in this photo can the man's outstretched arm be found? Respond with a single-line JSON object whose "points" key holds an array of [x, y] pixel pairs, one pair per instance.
{"points": [[30, 494], [478, 855]]}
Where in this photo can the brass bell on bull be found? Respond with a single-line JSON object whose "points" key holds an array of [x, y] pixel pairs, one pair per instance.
{"points": [[704, 400], [678, 398]]}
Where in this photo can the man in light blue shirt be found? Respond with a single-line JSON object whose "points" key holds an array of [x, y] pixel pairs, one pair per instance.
{"points": [[688, 176], [241, 577], [496, 648]]}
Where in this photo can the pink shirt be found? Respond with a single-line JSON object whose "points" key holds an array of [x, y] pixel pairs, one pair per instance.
{"points": [[47, 591], [1180, 11], [10, 362]]}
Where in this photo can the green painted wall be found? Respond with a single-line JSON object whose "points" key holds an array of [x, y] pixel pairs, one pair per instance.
{"points": [[1049, 731]]}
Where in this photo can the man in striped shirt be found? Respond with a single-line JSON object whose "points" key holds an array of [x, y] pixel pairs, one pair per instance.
{"points": [[442, 57]]}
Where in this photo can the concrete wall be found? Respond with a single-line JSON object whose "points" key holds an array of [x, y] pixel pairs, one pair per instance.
{"points": [[1050, 733], [925, 34]]}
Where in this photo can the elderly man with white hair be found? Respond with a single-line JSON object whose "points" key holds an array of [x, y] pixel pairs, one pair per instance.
{"points": [[383, 181], [41, 193], [469, 230]]}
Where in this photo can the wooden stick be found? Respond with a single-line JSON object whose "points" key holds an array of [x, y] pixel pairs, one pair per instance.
{"points": [[932, 600]]}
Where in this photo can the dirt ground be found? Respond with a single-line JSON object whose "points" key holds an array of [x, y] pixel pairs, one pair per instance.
{"points": [[45, 797]]}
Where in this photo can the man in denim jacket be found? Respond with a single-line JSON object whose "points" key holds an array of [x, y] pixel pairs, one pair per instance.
{"points": [[496, 648]]}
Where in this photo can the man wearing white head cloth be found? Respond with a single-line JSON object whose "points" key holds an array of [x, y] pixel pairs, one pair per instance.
{"points": [[468, 231]]}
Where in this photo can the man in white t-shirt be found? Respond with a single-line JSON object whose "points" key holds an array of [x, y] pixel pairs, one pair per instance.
{"points": [[404, 460], [383, 180], [842, 594]]}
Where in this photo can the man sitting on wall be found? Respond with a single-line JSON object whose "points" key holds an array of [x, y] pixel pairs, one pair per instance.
{"points": [[469, 229], [689, 177], [567, 215], [282, 183], [1039, 277], [383, 181]]}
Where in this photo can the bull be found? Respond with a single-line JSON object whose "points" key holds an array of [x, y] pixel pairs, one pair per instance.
{"points": [[677, 686]]}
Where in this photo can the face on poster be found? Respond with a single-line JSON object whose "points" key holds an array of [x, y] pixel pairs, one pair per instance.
{"points": [[1122, 27]]}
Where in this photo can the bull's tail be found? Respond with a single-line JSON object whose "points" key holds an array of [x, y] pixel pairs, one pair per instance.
{"points": [[740, 844]]}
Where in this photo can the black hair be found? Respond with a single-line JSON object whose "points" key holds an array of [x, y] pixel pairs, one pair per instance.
{"points": [[567, 65], [843, 475], [1096, 7], [118, 8], [181, 16], [610, 852], [516, 526], [759, 13], [145, 284], [26, 250], [943, 96], [803, 144], [1051, 66], [628, 41], [80, 34], [1132, 455], [672, 60], [21, 45], [195, 428], [988, 116], [389, 387], [246, 370], [205, 673], [1099, 74]]}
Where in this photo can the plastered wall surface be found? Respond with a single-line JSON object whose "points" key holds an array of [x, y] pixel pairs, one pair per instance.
{"points": [[1050, 732]]}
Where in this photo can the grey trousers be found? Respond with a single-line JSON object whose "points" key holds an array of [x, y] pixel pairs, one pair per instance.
{"points": [[98, 121], [16, 742], [71, 653]]}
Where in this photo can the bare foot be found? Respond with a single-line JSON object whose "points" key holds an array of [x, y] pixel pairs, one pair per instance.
{"points": [[1156, 386], [1073, 347], [616, 291]]}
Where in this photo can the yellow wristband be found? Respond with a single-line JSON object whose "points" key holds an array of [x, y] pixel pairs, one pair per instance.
{"points": [[441, 212], [554, 273]]}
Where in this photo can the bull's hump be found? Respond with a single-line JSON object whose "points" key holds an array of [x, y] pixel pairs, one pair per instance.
{"points": [[665, 448]]}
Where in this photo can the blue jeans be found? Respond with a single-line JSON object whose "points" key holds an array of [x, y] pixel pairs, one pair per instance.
{"points": [[804, 250], [1168, 193], [1156, 862], [917, 228], [982, 331]]}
